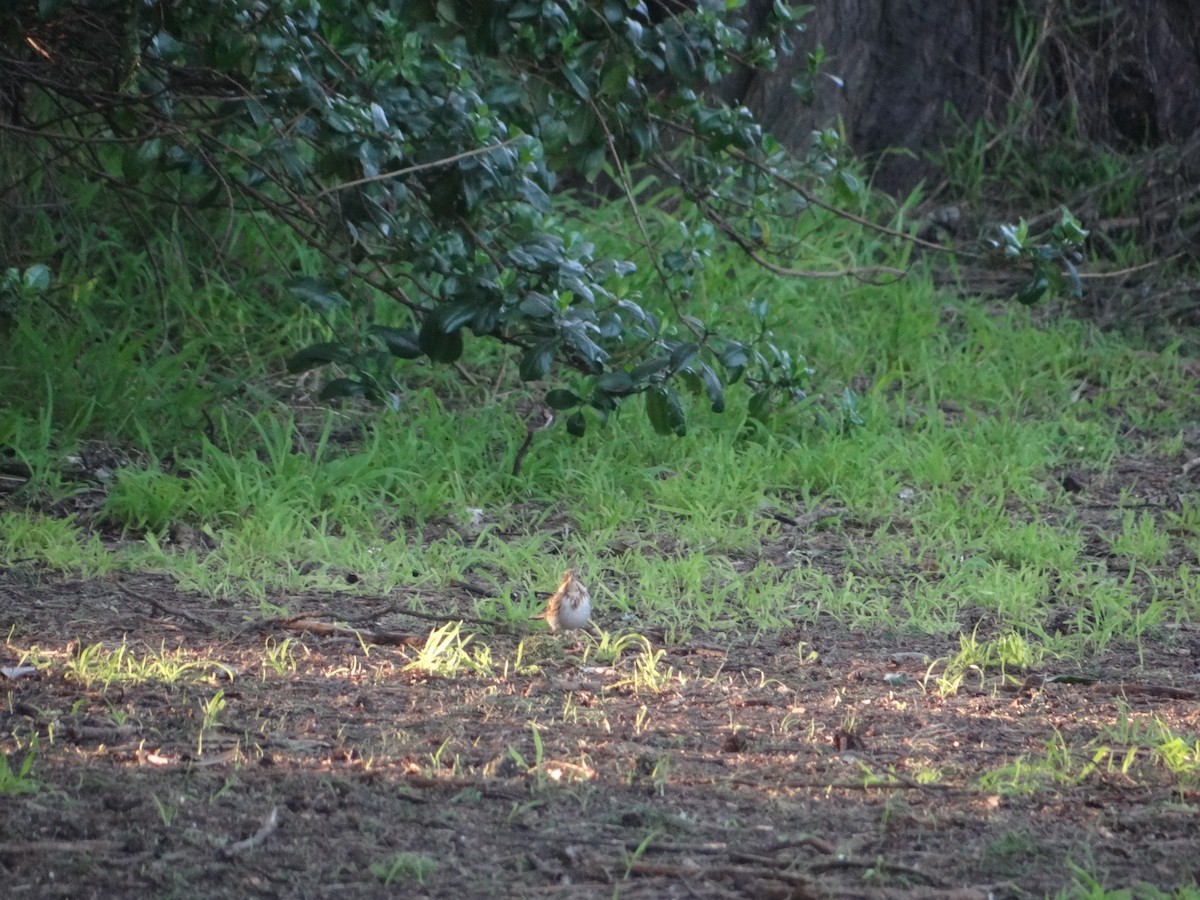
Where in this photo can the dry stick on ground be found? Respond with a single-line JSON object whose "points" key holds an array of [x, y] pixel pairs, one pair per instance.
{"points": [[28, 848], [766, 866], [805, 784], [819, 844], [165, 610], [396, 609], [715, 872], [1144, 690], [269, 826], [383, 638], [810, 518], [831, 865]]}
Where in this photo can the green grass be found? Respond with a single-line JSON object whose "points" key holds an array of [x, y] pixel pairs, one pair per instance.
{"points": [[16, 772], [946, 488], [1088, 886], [97, 666]]}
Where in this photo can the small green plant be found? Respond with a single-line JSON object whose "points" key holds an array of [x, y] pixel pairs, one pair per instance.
{"points": [[518, 666], [1141, 541], [145, 500], [405, 866], [445, 653], [1086, 885], [440, 765], [1181, 757], [97, 665], [54, 543], [1010, 851], [1052, 259], [1008, 652], [639, 851], [646, 675], [279, 656], [1028, 775], [210, 712], [17, 779], [1187, 520], [806, 655], [610, 648], [536, 767], [1153, 738], [167, 810], [660, 775], [117, 716]]}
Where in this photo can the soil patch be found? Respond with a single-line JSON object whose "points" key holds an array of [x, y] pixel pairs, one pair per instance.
{"points": [[822, 763]]}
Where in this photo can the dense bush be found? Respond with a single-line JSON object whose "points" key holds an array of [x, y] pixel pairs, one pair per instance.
{"points": [[419, 148]]}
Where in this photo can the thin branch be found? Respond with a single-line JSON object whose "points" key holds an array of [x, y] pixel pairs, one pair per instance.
{"points": [[408, 170]]}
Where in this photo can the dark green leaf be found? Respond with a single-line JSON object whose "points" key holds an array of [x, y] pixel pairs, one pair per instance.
{"points": [[337, 121], [760, 403], [585, 351], [665, 411], [379, 117], [805, 88], [611, 325], [617, 383], [401, 342], [847, 186], [534, 195], [486, 318], [681, 354], [649, 367], [735, 358], [592, 163], [535, 363], [562, 399], [437, 344], [676, 261], [577, 83], [759, 307], [680, 61], [1032, 292], [713, 387], [1076, 287], [317, 355], [603, 402], [454, 316], [317, 295], [576, 424], [537, 306]]}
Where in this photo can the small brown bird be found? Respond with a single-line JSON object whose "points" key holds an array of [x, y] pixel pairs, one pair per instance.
{"points": [[569, 607]]}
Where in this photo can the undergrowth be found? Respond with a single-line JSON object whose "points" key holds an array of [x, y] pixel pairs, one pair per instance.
{"points": [[933, 427]]}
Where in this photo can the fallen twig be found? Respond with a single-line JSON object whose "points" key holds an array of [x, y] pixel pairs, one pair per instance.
{"points": [[269, 826], [165, 610], [383, 638]]}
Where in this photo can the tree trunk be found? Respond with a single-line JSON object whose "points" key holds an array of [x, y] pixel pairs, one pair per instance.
{"points": [[1121, 74]]}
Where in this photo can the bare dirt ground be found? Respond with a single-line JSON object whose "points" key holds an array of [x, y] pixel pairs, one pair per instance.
{"points": [[759, 771]]}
